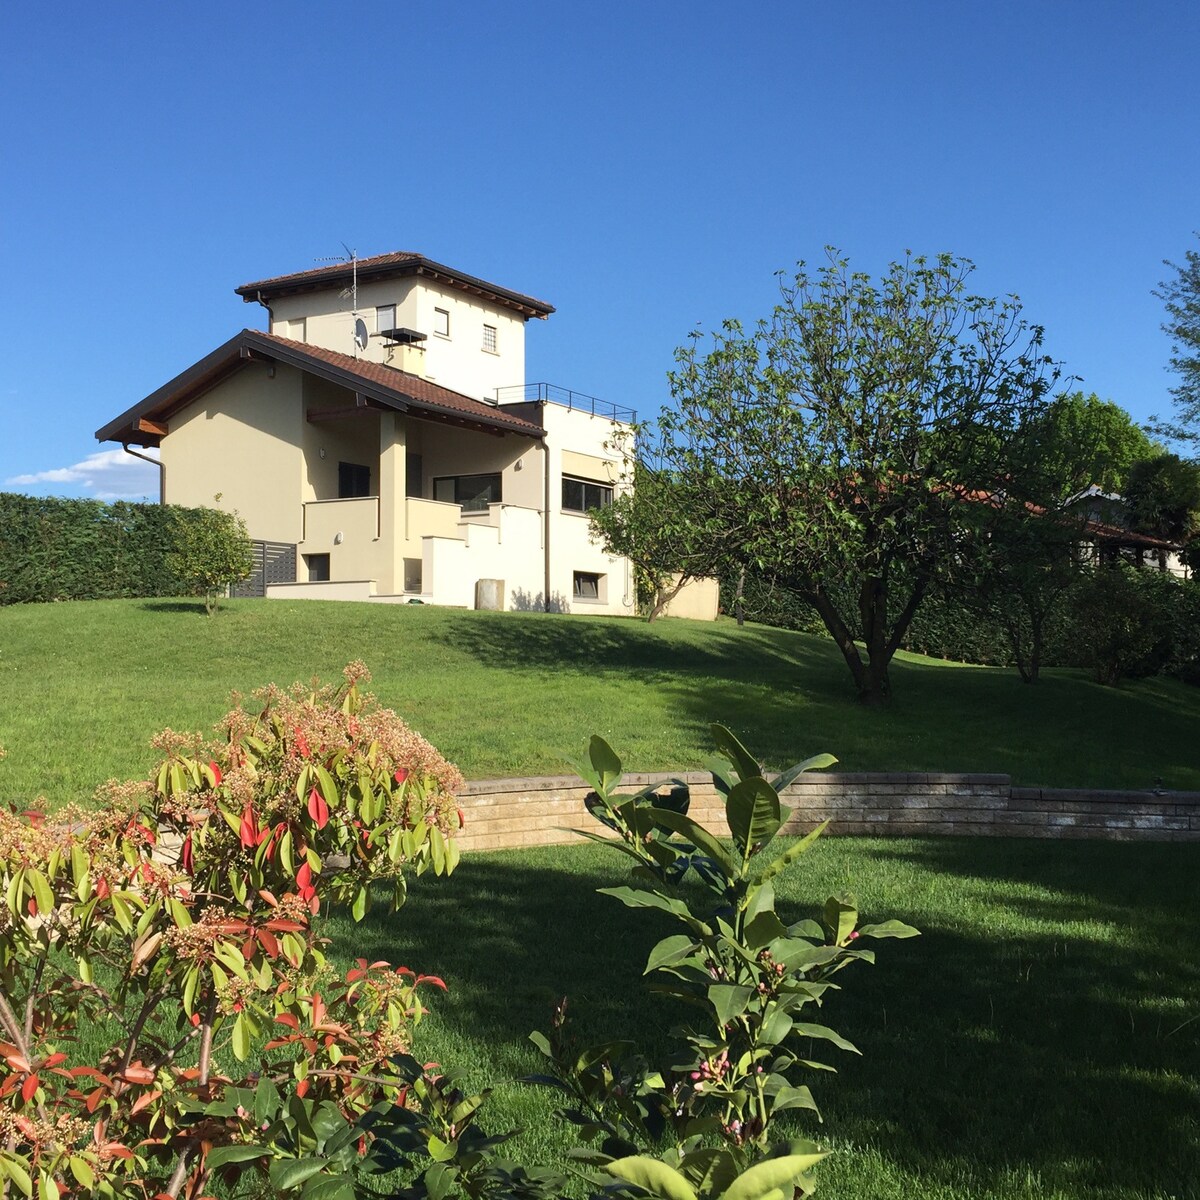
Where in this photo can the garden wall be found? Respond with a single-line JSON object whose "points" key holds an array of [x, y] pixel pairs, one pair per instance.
{"points": [[508, 813]]}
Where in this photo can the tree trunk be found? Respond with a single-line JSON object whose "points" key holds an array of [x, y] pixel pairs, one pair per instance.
{"points": [[664, 597], [738, 608]]}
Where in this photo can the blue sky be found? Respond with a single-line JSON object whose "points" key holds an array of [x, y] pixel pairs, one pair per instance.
{"points": [[644, 167]]}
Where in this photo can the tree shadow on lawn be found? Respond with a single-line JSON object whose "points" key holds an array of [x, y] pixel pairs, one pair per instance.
{"points": [[174, 606], [991, 1044]]}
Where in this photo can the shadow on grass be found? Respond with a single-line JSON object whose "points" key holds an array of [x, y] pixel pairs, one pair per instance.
{"points": [[174, 606], [1040, 1025]]}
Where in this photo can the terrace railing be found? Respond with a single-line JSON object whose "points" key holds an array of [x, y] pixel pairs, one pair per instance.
{"points": [[522, 393]]}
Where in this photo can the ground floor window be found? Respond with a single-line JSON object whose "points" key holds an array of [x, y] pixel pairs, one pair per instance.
{"points": [[412, 574], [318, 567], [588, 586], [473, 492], [582, 495]]}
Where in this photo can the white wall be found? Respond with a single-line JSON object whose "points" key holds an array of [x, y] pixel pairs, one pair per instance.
{"points": [[457, 362]]}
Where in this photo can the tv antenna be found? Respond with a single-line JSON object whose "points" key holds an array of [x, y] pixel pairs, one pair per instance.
{"points": [[360, 326]]}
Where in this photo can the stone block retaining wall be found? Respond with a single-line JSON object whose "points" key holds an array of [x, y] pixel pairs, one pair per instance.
{"points": [[508, 813]]}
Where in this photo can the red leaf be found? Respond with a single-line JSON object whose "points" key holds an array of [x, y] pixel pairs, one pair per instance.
{"points": [[217, 776], [434, 979], [318, 809], [248, 834], [288, 1020], [138, 1074], [185, 856], [28, 1088], [54, 1060], [143, 1100], [268, 942], [401, 775], [302, 1088], [18, 1062]]}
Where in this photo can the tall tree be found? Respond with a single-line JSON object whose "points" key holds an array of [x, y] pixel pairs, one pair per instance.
{"points": [[835, 447], [1163, 495], [1180, 294], [1081, 440]]}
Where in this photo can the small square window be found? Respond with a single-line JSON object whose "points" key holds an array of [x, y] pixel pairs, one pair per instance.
{"points": [[489, 338], [587, 585], [441, 322], [385, 318], [318, 567]]}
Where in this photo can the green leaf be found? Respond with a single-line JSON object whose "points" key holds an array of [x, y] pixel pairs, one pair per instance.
{"points": [[241, 1038], [772, 1175], [17, 1170], [288, 1173], [729, 1000], [738, 755], [776, 1027], [790, 855], [652, 1176], [541, 1042], [889, 929], [42, 892], [670, 950], [817, 763], [358, 909], [604, 762], [825, 1034], [695, 833], [222, 1156], [765, 928], [793, 1097], [752, 811], [841, 915]]}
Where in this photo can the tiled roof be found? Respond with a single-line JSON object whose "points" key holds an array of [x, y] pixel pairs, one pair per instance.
{"points": [[389, 266], [317, 274], [410, 387], [141, 425]]}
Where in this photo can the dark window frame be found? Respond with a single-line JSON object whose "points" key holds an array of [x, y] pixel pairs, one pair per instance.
{"points": [[471, 503], [582, 581], [603, 498]]}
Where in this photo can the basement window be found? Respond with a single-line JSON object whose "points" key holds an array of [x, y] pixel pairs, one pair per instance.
{"points": [[473, 492], [582, 495], [318, 567], [587, 585]]}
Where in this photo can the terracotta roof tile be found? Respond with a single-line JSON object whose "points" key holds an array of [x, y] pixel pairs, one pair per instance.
{"points": [[316, 274], [412, 387]]}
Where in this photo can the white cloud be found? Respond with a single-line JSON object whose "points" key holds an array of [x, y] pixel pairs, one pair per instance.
{"points": [[105, 475]]}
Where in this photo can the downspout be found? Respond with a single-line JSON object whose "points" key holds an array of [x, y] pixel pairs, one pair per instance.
{"points": [[162, 470], [546, 523]]}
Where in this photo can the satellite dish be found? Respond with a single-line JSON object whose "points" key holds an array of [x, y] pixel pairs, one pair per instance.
{"points": [[360, 333]]}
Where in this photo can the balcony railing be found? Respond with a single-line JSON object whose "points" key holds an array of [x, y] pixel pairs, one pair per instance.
{"points": [[576, 401]]}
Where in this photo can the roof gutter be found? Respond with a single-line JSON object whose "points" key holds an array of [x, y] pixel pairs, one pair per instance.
{"points": [[162, 470]]}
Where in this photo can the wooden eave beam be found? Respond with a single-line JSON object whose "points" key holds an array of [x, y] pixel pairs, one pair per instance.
{"points": [[342, 412], [155, 428]]}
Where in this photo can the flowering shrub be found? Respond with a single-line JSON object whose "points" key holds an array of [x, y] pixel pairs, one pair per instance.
{"points": [[737, 963], [176, 920]]}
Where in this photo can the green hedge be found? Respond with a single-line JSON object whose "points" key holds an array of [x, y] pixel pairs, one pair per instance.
{"points": [[55, 549]]}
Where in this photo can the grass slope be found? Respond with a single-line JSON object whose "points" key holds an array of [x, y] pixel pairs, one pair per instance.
{"points": [[84, 686], [1039, 1041]]}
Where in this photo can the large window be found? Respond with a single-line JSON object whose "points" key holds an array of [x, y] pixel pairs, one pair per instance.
{"points": [[473, 492], [354, 479], [582, 495]]}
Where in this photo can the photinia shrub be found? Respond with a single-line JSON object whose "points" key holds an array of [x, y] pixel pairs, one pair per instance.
{"points": [[174, 927]]}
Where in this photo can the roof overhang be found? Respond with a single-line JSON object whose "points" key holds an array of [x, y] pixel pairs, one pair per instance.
{"points": [[390, 266], [146, 423]]}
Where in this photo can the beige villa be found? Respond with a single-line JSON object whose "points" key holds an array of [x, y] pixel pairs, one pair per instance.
{"points": [[381, 443]]}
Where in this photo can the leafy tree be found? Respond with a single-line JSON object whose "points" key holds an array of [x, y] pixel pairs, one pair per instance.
{"points": [[211, 551], [651, 526], [836, 447], [1163, 495], [1082, 440], [1021, 562], [1180, 294]]}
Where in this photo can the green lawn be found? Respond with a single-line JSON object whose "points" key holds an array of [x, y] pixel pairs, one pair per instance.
{"points": [[1041, 1039], [85, 684]]}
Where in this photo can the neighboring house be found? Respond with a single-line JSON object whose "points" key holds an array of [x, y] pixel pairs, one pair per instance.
{"points": [[381, 443], [1108, 537]]}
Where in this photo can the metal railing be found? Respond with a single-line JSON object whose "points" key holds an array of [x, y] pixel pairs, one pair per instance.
{"points": [[575, 401]]}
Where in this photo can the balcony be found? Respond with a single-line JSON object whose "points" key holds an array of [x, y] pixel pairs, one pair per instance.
{"points": [[552, 393]]}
